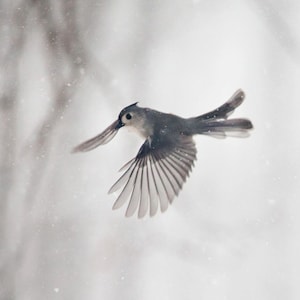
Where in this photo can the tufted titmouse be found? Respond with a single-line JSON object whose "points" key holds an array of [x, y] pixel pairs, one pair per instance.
{"points": [[167, 156]]}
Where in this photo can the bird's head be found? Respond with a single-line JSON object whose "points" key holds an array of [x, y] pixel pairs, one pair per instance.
{"points": [[133, 117]]}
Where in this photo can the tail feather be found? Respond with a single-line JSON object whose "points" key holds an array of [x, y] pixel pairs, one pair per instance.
{"points": [[231, 127], [225, 110]]}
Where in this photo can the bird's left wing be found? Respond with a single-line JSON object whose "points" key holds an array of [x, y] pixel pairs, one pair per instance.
{"points": [[155, 175], [101, 139]]}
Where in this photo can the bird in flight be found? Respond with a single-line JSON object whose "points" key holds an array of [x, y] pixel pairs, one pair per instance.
{"points": [[156, 175]]}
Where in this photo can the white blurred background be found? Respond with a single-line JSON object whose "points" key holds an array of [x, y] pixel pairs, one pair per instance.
{"points": [[67, 69]]}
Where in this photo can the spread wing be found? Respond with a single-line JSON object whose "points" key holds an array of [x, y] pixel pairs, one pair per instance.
{"points": [[101, 139], [155, 175]]}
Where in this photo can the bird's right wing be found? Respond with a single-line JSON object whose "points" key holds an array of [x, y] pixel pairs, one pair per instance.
{"points": [[155, 175]]}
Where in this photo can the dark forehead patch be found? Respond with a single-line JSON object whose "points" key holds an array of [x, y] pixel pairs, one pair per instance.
{"points": [[125, 110]]}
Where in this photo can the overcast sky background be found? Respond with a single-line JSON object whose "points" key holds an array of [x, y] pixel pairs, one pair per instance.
{"points": [[67, 69]]}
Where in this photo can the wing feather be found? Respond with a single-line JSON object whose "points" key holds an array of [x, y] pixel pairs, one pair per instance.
{"points": [[144, 203], [153, 190], [127, 190], [136, 190], [161, 191], [155, 176]]}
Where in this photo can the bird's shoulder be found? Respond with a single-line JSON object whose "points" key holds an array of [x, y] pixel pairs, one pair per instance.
{"points": [[165, 124]]}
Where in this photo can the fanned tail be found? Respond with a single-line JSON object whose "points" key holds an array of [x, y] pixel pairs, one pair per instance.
{"points": [[216, 123]]}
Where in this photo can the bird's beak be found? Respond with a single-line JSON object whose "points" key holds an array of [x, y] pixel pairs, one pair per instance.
{"points": [[119, 124]]}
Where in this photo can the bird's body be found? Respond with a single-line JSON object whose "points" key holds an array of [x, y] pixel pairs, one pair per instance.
{"points": [[164, 161], [164, 123]]}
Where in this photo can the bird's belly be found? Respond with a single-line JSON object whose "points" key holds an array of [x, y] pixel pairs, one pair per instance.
{"points": [[141, 132]]}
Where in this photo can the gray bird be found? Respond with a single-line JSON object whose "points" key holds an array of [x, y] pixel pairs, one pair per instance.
{"points": [[164, 161]]}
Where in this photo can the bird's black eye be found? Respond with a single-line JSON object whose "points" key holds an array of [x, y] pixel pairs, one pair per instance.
{"points": [[128, 116]]}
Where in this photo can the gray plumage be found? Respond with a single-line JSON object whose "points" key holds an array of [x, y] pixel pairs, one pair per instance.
{"points": [[156, 175]]}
